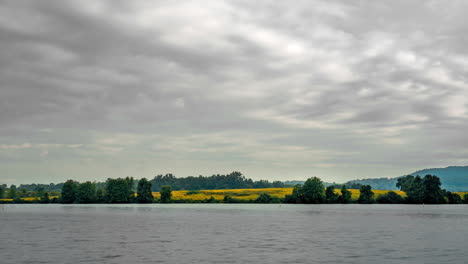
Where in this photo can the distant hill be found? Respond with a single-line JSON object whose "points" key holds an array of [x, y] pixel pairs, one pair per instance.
{"points": [[454, 178]]}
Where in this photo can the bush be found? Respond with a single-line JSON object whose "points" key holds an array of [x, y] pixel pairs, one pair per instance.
{"points": [[390, 198]]}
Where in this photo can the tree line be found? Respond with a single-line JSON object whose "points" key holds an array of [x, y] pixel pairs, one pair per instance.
{"points": [[418, 190], [234, 180]]}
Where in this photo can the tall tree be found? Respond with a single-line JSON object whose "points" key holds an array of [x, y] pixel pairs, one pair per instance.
{"points": [[313, 190], [40, 191], [345, 196], [166, 193], [453, 198], [100, 195], [144, 194], [413, 187], [45, 198], [366, 194], [422, 190], [119, 190], [330, 195], [86, 192], [69, 191], [433, 194], [12, 192]]}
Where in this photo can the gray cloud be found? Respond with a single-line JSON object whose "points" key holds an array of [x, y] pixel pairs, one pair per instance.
{"points": [[277, 90]]}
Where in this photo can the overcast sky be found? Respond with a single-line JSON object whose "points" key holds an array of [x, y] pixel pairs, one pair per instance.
{"points": [[278, 90]]}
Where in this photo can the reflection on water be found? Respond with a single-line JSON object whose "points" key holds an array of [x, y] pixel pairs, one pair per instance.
{"points": [[233, 233]]}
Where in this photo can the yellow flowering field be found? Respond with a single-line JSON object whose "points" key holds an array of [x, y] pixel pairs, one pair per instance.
{"points": [[251, 194], [241, 194]]}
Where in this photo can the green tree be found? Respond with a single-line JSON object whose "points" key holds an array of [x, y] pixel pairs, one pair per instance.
{"points": [[366, 194], [453, 198], [86, 192], [433, 194], [100, 195], [465, 198], [23, 192], [45, 198], [264, 198], [297, 195], [313, 191], [330, 194], [12, 192], [390, 198], [413, 187], [166, 193], [144, 194], [40, 191], [119, 190], [2, 192], [345, 196], [69, 191]]}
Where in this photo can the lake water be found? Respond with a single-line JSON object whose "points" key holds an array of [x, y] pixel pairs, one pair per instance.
{"points": [[233, 233]]}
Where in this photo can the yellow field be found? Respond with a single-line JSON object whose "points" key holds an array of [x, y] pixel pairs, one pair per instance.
{"points": [[252, 194], [27, 199], [241, 194]]}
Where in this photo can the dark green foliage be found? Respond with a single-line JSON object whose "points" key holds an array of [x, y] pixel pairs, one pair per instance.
{"points": [[210, 200], [427, 190], [101, 195], [228, 199], [366, 195], [433, 193], [86, 192], [166, 194], [330, 195], [264, 198], [390, 198], [296, 196], [345, 196], [12, 192], [24, 193], [413, 187], [465, 198], [39, 192], [453, 198], [2, 192], [45, 198], [234, 180], [144, 194], [313, 191], [120, 190], [375, 183], [69, 191]]}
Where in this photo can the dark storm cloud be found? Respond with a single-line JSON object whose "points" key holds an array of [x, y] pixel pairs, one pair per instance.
{"points": [[276, 89]]}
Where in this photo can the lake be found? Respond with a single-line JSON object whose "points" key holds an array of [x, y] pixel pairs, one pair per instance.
{"points": [[233, 233]]}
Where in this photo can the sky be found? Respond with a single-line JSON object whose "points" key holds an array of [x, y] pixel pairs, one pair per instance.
{"points": [[278, 90]]}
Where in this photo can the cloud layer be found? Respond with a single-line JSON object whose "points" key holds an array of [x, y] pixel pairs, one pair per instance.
{"points": [[277, 90]]}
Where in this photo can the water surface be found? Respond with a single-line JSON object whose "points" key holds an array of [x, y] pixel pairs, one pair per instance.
{"points": [[233, 233]]}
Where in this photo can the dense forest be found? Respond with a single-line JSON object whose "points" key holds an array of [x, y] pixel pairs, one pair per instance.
{"points": [[234, 180], [418, 190]]}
